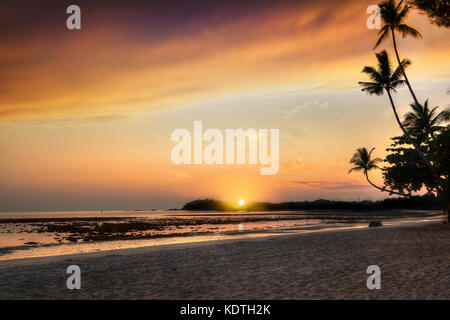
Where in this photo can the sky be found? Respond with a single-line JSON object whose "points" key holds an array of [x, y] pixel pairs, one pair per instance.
{"points": [[86, 115]]}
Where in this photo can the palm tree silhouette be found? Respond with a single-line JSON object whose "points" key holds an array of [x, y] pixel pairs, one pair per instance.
{"points": [[363, 162], [422, 120], [394, 17], [383, 79]]}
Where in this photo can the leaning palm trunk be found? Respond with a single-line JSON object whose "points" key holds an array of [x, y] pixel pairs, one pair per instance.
{"points": [[384, 189], [403, 70], [433, 136], [427, 162]]}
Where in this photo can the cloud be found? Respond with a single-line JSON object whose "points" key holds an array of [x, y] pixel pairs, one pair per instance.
{"points": [[180, 174], [144, 56], [104, 119], [125, 61], [315, 105], [293, 165], [332, 186]]}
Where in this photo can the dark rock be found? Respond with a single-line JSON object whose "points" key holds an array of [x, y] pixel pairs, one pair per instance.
{"points": [[374, 224], [72, 239]]}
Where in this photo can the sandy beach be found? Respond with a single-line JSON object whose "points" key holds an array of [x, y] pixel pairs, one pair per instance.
{"points": [[414, 262]]}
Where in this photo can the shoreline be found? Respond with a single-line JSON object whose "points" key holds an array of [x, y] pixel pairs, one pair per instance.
{"points": [[42, 237], [205, 240]]}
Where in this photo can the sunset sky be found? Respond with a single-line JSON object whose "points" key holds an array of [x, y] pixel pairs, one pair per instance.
{"points": [[86, 115]]}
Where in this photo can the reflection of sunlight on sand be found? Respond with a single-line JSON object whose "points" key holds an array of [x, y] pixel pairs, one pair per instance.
{"points": [[76, 248], [105, 246]]}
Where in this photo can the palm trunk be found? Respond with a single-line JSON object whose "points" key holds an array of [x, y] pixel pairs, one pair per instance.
{"points": [[384, 189], [407, 82], [448, 214], [410, 89], [432, 135], [414, 143], [402, 69]]}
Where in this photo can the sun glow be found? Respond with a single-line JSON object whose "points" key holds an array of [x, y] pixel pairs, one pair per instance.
{"points": [[241, 202]]}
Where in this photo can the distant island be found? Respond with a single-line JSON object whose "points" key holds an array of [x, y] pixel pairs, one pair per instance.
{"points": [[425, 202]]}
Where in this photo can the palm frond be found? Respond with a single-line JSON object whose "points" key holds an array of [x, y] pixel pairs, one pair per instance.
{"points": [[372, 73], [403, 14], [362, 160], [384, 35], [398, 73], [384, 64], [406, 30], [355, 169], [377, 90], [395, 84], [445, 115]]}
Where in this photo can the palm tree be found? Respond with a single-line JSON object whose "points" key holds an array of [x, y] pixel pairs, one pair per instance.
{"points": [[394, 17], [422, 120], [363, 162], [383, 79], [446, 114]]}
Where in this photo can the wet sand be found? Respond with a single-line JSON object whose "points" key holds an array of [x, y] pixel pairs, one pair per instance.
{"points": [[414, 261]]}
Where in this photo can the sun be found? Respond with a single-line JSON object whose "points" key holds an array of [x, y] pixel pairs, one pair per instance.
{"points": [[241, 202]]}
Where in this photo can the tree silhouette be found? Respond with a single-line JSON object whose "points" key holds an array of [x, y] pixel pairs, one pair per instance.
{"points": [[363, 162], [438, 11], [386, 80]]}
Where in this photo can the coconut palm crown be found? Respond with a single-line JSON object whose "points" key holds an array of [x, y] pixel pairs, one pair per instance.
{"points": [[394, 15], [422, 119], [383, 78], [363, 161]]}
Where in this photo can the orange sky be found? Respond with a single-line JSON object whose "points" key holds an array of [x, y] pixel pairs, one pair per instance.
{"points": [[86, 116]]}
